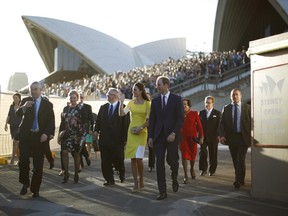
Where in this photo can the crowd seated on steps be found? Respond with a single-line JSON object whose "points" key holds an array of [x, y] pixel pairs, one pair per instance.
{"points": [[178, 70]]}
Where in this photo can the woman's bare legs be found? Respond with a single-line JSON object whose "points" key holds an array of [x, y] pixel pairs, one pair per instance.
{"points": [[135, 174], [184, 164], [15, 152], [193, 174], [140, 167]]}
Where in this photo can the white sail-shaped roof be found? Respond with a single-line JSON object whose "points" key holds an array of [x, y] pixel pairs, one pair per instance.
{"points": [[101, 51]]}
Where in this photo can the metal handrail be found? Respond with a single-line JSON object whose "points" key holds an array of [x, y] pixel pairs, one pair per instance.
{"points": [[210, 79]]}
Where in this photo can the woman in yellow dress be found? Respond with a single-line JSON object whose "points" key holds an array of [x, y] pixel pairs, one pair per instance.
{"points": [[139, 109]]}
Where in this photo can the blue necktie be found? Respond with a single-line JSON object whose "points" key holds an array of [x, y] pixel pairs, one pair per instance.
{"points": [[110, 111], [235, 119], [35, 122]]}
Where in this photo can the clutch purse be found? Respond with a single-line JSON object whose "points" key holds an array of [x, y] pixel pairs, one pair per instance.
{"points": [[134, 130], [197, 140]]}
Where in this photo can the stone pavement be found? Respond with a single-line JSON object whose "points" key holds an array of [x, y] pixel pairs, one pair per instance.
{"points": [[203, 196]]}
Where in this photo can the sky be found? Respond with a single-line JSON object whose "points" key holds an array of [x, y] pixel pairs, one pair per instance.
{"points": [[133, 22]]}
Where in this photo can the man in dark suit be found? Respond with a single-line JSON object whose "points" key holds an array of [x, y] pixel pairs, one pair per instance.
{"points": [[48, 153], [210, 119], [38, 124], [235, 131], [165, 121], [90, 123], [112, 130]]}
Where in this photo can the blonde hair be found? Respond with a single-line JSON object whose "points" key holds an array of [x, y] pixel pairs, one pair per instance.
{"points": [[74, 92], [211, 98]]}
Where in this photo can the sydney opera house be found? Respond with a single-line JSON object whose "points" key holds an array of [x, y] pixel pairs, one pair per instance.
{"points": [[71, 51]]}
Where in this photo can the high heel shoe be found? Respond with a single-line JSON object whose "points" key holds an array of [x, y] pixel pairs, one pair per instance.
{"points": [[142, 186], [135, 190], [66, 177], [185, 181], [76, 178], [61, 173]]}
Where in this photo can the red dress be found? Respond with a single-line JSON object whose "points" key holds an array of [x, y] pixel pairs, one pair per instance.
{"points": [[192, 128]]}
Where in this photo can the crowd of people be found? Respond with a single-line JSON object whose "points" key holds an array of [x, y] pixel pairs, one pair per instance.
{"points": [[165, 124], [177, 70]]}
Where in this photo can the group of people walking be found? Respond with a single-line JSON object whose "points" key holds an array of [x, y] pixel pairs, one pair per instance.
{"points": [[166, 124]]}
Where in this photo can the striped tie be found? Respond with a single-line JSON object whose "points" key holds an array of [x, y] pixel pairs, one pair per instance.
{"points": [[35, 122]]}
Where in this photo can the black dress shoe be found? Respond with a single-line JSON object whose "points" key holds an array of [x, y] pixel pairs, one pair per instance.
{"points": [[211, 174], [109, 183], [24, 189], [203, 173], [35, 195], [175, 186], [122, 179], [237, 184], [150, 169], [88, 161], [162, 196]]}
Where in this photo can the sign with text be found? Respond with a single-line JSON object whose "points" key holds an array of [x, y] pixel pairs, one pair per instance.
{"points": [[271, 106]]}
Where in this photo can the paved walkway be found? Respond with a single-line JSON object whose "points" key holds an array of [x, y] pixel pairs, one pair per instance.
{"points": [[203, 196]]}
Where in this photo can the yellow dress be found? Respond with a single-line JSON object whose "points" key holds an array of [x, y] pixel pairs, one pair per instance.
{"points": [[135, 147]]}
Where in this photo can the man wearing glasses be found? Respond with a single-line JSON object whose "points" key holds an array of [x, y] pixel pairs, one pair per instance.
{"points": [[210, 119], [112, 131]]}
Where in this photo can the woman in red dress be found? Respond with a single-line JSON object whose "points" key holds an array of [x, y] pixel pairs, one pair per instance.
{"points": [[190, 131]]}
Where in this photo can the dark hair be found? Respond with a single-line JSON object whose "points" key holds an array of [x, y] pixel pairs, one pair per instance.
{"points": [[36, 83], [235, 89], [141, 87], [18, 95], [165, 80], [188, 101]]}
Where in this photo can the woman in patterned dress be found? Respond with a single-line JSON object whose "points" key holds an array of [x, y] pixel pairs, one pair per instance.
{"points": [[139, 109], [72, 134]]}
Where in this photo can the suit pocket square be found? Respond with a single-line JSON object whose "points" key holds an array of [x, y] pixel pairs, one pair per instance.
{"points": [[214, 116]]}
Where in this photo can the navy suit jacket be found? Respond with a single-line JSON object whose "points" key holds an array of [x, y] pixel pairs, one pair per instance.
{"points": [[168, 120], [89, 116], [112, 132]]}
